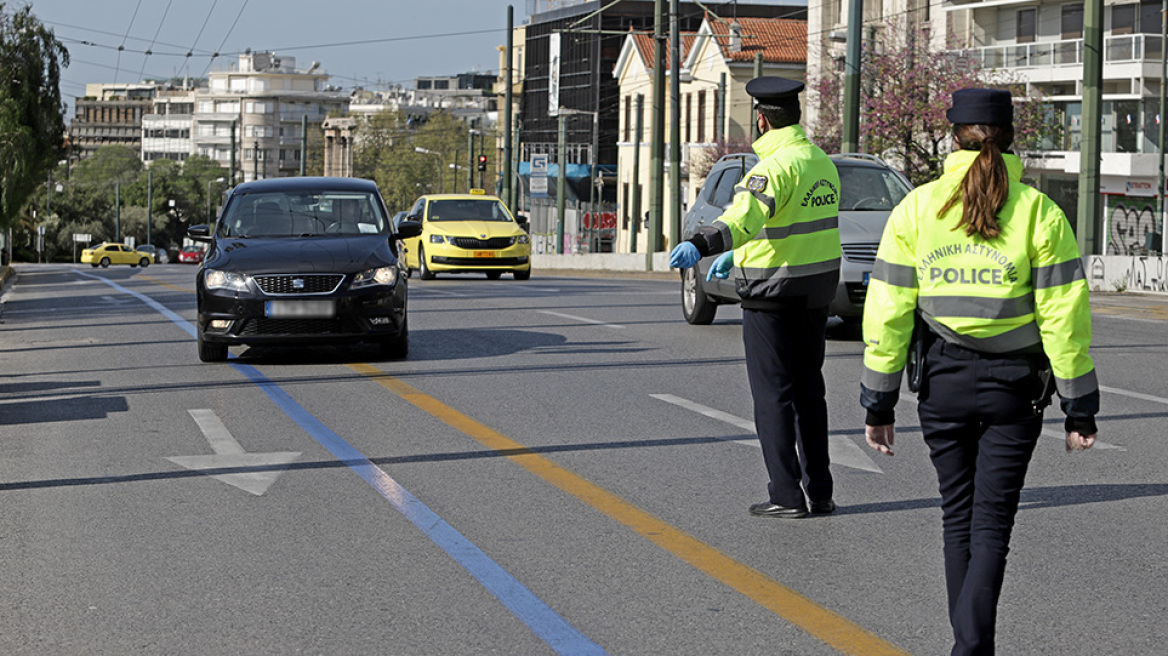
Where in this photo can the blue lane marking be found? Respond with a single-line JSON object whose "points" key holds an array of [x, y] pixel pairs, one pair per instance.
{"points": [[560, 635]]}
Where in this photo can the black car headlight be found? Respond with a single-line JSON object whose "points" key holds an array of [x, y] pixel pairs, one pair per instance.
{"points": [[217, 279], [379, 276]]}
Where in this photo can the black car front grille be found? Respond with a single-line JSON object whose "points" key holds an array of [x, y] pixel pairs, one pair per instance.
{"points": [[301, 283], [862, 253], [253, 327], [492, 244]]}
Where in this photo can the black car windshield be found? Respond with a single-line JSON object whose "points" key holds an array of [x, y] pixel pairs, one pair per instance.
{"points": [[467, 210], [869, 188], [302, 214]]}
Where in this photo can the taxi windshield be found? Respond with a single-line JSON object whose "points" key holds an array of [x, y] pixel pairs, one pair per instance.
{"points": [[487, 209], [302, 214]]}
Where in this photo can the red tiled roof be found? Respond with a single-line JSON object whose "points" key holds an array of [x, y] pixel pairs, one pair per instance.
{"points": [[780, 40], [644, 43]]}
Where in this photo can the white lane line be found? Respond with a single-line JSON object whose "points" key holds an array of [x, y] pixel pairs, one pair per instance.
{"points": [[842, 450], [581, 319], [1134, 395]]}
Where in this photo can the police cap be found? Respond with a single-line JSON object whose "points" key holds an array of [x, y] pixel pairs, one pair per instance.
{"points": [[981, 107], [771, 90]]}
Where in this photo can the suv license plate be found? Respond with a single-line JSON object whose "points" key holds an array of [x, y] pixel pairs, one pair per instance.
{"points": [[300, 309]]}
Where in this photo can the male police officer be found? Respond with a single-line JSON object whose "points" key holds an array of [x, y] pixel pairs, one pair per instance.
{"points": [[781, 239]]}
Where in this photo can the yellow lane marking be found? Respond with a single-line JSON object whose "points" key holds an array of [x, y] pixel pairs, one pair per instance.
{"points": [[166, 284], [833, 629]]}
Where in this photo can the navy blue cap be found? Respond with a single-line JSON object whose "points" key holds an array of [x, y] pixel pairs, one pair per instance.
{"points": [[981, 107], [772, 90]]}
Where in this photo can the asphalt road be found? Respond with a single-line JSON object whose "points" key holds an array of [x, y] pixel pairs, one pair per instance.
{"points": [[561, 466]]}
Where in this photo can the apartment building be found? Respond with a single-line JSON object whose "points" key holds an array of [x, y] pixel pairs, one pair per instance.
{"points": [[166, 132], [109, 114], [252, 114]]}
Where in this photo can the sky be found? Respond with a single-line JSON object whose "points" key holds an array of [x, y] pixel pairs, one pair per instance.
{"points": [[357, 42]]}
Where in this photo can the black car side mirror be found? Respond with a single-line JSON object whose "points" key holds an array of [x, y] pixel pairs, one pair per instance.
{"points": [[200, 232], [409, 228]]}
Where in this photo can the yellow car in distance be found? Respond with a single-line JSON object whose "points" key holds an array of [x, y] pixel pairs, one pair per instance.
{"points": [[106, 254], [464, 233]]}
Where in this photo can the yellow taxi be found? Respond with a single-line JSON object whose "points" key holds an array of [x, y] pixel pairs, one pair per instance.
{"points": [[106, 254], [463, 233]]}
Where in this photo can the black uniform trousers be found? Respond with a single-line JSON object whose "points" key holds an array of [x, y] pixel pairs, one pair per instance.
{"points": [[977, 416], [784, 361]]}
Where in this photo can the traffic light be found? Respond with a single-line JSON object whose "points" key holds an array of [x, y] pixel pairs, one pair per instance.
{"points": [[482, 162]]}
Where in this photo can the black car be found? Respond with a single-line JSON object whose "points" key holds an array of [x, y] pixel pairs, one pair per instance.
{"points": [[302, 261]]}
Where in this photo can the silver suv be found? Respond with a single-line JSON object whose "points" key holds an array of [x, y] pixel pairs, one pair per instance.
{"points": [[869, 189]]}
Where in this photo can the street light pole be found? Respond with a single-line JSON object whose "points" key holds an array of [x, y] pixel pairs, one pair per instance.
{"points": [[255, 162]]}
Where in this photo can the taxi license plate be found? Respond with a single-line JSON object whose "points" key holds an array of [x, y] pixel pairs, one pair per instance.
{"points": [[300, 309], [484, 253], [867, 275]]}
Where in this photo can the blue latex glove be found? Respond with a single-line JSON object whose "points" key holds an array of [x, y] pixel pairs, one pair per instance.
{"points": [[684, 256], [721, 267]]}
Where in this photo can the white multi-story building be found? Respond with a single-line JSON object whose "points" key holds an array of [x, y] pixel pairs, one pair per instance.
{"points": [[1040, 43], [263, 100], [166, 134]]}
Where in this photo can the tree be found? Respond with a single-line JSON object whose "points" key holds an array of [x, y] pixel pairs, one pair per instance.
{"points": [[32, 123], [905, 92]]}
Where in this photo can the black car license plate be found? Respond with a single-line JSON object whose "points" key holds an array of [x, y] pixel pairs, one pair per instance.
{"points": [[324, 309]]}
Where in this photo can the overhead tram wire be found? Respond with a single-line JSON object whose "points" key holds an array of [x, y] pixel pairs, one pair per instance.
{"points": [[198, 36], [123, 45], [150, 48], [225, 37]]}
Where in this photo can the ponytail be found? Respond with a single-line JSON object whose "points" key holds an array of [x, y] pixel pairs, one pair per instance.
{"points": [[986, 185]]}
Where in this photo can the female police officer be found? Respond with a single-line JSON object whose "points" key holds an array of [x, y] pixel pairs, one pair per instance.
{"points": [[991, 270]]}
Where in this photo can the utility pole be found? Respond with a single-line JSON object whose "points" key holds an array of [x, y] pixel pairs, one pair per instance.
{"points": [[117, 211], [754, 133], [561, 182], [851, 128], [657, 138], [470, 162], [1090, 151], [720, 126], [303, 144], [233, 153], [149, 202], [675, 123], [636, 203], [1160, 121], [508, 197], [483, 152], [255, 161]]}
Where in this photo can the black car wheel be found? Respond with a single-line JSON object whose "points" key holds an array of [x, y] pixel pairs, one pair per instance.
{"points": [[211, 351], [697, 307], [399, 347], [424, 271], [105, 262]]}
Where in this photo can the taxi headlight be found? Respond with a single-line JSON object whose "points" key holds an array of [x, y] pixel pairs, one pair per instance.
{"points": [[437, 239], [216, 279], [522, 239], [380, 276]]}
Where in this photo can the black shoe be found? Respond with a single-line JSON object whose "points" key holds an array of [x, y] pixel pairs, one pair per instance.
{"points": [[822, 507], [768, 509]]}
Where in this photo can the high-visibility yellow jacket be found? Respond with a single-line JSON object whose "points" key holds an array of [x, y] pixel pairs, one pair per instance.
{"points": [[783, 224], [1022, 289]]}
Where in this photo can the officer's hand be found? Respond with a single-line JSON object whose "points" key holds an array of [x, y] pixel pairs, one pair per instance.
{"points": [[684, 256], [880, 438], [721, 267], [1077, 441]]}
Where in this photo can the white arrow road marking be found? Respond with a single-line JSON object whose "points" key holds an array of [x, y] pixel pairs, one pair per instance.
{"points": [[573, 317], [842, 450], [230, 455]]}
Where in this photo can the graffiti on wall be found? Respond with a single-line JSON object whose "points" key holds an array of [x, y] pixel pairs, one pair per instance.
{"points": [[1139, 273], [1129, 220]]}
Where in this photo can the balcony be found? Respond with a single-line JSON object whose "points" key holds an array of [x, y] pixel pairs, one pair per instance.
{"points": [[1129, 48]]}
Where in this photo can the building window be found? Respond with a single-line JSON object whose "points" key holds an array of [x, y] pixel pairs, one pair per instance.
{"points": [[1072, 22], [1150, 21], [1123, 19], [702, 116], [1027, 25]]}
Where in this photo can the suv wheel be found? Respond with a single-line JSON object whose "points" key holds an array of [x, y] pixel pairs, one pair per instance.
{"points": [[397, 348], [697, 307]]}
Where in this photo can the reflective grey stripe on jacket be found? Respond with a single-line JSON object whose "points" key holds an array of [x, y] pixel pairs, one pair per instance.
{"points": [[1011, 340], [804, 228], [977, 307], [1076, 387], [789, 270], [818, 280], [1057, 275], [898, 275], [880, 382], [762, 198]]}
